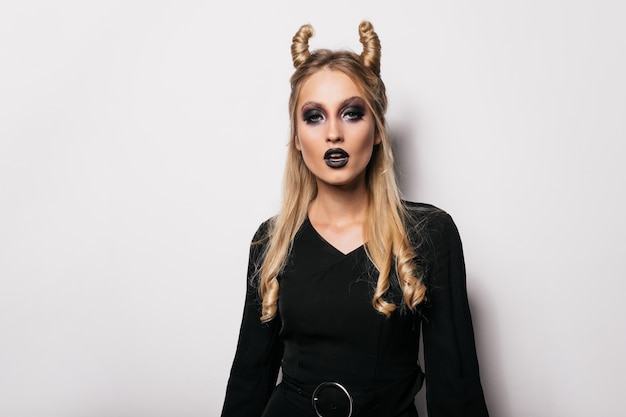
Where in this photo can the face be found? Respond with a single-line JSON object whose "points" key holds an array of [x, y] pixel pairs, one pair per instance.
{"points": [[335, 129]]}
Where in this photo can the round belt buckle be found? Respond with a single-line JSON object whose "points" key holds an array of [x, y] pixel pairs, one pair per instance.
{"points": [[326, 385]]}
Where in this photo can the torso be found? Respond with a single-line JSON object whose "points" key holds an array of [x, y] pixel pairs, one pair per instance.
{"points": [[329, 327]]}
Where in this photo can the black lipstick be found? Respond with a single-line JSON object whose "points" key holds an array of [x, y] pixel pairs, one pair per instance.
{"points": [[336, 157]]}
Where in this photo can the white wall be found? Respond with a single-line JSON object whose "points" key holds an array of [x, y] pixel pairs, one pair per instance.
{"points": [[141, 143]]}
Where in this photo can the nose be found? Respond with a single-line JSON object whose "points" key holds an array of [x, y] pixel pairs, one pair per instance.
{"points": [[334, 134]]}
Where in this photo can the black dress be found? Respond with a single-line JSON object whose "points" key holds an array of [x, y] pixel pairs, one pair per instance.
{"points": [[327, 331]]}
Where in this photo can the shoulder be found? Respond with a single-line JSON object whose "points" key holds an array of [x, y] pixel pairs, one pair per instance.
{"points": [[263, 231], [260, 240], [430, 229], [427, 217]]}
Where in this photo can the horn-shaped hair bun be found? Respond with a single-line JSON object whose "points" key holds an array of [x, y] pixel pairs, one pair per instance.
{"points": [[370, 57], [371, 46], [300, 45]]}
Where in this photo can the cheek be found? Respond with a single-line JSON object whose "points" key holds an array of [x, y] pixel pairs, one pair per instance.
{"points": [[366, 150], [305, 140], [369, 140], [302, 136], [304, 146]]}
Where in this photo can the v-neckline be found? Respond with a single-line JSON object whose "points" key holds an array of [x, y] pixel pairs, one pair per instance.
{"points": [[330, 245]]}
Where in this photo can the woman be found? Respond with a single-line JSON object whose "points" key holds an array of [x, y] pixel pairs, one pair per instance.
{"points": [[344, 278]]}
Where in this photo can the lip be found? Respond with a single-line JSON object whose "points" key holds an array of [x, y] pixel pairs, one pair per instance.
{"points": [[336, 157]]}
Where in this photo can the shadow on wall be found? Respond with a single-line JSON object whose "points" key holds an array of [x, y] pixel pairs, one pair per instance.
{"points": [[403, 140], [488, 351]]}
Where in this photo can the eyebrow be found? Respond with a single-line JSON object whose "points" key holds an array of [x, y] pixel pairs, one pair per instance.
{"points": [[343, 103]]}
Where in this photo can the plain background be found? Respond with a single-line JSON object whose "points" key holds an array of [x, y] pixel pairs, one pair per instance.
{"points": [[142, 142]]}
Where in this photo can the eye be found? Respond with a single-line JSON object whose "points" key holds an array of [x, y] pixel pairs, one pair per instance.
{"points": [[353, 113], [313, 116]]}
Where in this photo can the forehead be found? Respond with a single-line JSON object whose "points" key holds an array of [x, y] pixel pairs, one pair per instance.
{"points": [[328, 87]]}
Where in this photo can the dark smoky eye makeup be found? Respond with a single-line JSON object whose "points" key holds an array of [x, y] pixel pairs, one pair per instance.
{"points": [[312, 115], [353, 112]]}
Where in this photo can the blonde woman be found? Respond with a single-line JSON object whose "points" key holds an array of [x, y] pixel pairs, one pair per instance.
{"points": [[343, 280]]}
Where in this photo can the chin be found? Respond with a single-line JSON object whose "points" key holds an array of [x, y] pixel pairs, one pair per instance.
{"points": [[340, 182]]}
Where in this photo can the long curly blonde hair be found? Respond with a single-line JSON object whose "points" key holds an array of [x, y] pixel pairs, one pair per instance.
{"points": [[387, 243]]}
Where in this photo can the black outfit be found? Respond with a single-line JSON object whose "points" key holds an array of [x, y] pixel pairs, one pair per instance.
{"points": [[328, 331]]}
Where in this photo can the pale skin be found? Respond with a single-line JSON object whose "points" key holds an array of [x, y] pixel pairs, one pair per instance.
{"points": [[332, 113]]}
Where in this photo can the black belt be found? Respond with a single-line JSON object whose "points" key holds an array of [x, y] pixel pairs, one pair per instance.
{"points": [[333, 399]]}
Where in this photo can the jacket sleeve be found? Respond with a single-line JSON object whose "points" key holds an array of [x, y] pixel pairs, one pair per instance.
{"points": [[453, 387], [259, 351]]}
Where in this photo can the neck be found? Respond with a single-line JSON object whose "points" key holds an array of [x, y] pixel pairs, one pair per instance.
{"points": [[340, 204]]}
